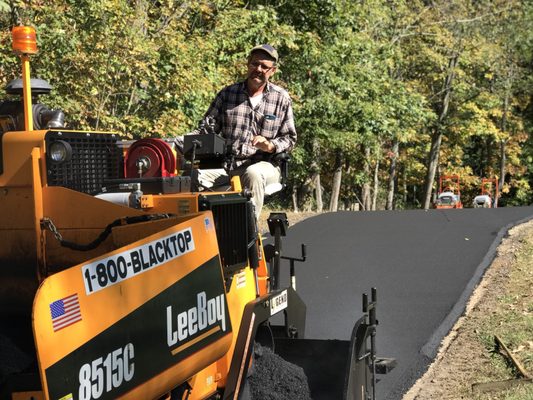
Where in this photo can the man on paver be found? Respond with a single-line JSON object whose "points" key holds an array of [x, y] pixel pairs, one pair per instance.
{"points": [[256, 118]]}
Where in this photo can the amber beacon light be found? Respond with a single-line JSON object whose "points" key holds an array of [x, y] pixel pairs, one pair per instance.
{"points": [[24, 45], [24, 40]]}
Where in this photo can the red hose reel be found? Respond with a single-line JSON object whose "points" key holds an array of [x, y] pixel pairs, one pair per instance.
{"points": [[148, 158]]}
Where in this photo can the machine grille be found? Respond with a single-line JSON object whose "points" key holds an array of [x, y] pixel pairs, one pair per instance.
{"points": [[230, 215], [95, 157]]}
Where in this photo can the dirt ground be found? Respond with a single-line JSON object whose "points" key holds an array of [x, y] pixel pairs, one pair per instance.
{"points": [[464, 359], [293, 218]]}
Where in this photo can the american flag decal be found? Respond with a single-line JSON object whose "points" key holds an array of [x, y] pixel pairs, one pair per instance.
{"points": [[65, 312]]}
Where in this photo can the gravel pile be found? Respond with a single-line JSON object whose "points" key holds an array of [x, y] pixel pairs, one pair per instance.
{"points": [[273, 378]]}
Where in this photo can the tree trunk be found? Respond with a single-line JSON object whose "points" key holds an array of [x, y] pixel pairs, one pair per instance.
{"points": [[306, 194], [315, 175], [366, 186], [503, 160], [336, 187], [294, 199], [436, 138], [315, 168], [404, 186], [392, 175], [318, 194], [503, 142], [376, 186], [438, 174]]}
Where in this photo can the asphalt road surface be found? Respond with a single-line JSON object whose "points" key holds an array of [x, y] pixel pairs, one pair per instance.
{"points": [[424, 264]]}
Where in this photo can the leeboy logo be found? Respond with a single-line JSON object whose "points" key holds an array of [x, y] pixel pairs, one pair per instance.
{"points": [[207, 317]]}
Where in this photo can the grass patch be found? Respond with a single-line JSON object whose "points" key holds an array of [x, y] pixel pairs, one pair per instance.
{"points": [[511, 318], [519, 393]]}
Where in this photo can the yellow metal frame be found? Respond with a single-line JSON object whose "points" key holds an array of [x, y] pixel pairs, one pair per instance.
{"points": [[26, 88], [38, 213]]}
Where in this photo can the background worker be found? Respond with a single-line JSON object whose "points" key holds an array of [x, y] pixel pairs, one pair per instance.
{"points": [[255, 117]]}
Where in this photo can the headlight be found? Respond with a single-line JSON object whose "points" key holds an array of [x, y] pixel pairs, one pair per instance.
{"points": [[60, 151]]}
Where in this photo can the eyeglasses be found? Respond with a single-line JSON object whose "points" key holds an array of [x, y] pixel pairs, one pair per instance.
{"points": [[256, 64]]}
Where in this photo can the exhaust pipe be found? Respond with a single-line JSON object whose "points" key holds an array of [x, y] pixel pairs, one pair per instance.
{"points": [[12, 116]]}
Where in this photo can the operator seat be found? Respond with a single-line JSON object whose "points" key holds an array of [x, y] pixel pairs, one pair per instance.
{"points": [[222, 183], [212, 177]]}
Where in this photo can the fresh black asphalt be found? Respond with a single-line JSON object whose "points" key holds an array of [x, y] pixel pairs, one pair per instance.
{"points": [[424, 264]]}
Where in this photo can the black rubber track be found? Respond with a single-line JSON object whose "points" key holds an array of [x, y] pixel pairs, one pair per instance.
{"points": [[424, 264]]}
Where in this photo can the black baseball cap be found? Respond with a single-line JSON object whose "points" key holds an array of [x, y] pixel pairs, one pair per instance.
{"points": [[271, 51]]}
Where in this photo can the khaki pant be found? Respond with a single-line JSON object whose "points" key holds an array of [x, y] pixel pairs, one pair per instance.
{"points": [[255, 177]]}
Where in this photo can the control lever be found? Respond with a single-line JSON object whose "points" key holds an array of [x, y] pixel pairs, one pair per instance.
{"points": [[292, 261], [277, 225]]}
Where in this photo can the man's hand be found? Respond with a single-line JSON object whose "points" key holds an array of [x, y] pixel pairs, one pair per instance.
{"points": [[263, 144]]}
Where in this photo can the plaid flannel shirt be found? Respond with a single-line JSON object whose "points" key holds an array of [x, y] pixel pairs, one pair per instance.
{"points": [[238, 122]]}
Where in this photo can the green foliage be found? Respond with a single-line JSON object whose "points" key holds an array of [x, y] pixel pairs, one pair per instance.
{"points": [[362, 76]]}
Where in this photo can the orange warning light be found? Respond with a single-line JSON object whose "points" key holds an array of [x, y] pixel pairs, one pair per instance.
{"points": [[24, 40]]}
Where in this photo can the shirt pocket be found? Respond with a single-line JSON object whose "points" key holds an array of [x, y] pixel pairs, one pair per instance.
{"points": [[270, 125]]}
